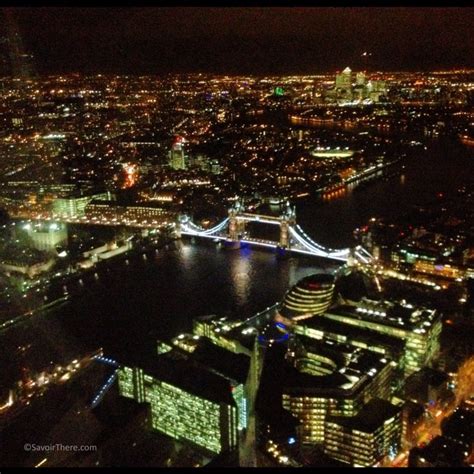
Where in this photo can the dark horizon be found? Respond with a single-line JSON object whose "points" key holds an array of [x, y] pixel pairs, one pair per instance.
{"points": [[259, 41]]}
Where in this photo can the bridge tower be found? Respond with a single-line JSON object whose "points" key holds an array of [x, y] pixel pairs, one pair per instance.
{"points": [[236, 225], [177, 229], [288, 219], [351, 258]]}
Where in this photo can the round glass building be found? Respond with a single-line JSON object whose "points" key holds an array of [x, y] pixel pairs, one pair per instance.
{"points": [[311, 296]]}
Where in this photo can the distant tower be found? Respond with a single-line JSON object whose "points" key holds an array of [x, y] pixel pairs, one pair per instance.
{"points": [[176, 155], [360, 79], [236, 226], [288, 220], [343, 84], [344, 80]]}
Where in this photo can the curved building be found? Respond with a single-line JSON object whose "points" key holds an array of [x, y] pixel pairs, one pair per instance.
{"points": [[309, 297]]}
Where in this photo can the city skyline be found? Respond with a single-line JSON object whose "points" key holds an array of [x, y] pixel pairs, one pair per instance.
{"points": [[236, 237]]}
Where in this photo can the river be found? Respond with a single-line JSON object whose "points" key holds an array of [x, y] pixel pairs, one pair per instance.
{"points": [[129, 305]]}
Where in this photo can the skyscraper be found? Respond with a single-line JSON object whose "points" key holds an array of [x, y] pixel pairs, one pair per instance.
{"points": [[360, 79], [176, 155], [344, 79]]}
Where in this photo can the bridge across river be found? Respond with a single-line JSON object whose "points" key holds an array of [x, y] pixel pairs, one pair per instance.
{"points": [[293, 238], [232, 230]]}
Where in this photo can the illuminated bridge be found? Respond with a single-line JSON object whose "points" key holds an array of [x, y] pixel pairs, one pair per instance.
{"points": [[293, 238], [232, 230]]}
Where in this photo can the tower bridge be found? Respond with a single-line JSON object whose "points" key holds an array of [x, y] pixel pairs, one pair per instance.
{"points": [[292, 238], [232, 231]]}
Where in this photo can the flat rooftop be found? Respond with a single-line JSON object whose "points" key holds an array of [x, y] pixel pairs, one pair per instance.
{"points": [[331, 326], [397, 315], [327, 368], [370, 417], [208, 372]]}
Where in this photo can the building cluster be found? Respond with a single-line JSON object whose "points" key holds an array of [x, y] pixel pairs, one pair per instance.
{"points": [[316, 370], [182, 132], [350, 88], [439, 248]]}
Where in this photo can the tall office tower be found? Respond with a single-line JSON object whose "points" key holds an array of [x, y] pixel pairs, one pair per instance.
{"points": [[177, 158], [344, 80], [360, 79]]}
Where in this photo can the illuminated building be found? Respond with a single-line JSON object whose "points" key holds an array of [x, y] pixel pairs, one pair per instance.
{"points": [[366, 439], [321, 379], [427, 258], [215, 167], [26, 265], [176, 155], [344, 81], [131, 174], [311, 296], [419, 328], [47, 236], [448, 271], [376, 89], [360, 79], [74, 206], [331, 153], [322, 328], [220, 332], [196, 392], [139, 214]]}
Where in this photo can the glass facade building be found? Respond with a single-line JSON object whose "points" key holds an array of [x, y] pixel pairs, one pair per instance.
{"points": [[419, 328], [309, 297], [369, 438], [327, 379], [196, 392]]}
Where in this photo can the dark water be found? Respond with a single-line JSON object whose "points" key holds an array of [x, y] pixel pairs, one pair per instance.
{"points": [[443, 167], [130, 305]]}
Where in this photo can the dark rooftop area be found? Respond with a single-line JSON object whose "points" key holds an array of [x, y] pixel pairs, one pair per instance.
{"points": [[372, 415]]}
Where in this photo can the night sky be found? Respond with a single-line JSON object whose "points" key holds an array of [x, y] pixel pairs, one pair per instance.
{"points": [[245, 40]]}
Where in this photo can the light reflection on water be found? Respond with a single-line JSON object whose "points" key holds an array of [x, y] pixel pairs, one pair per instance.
{"points": [[132, 306]]}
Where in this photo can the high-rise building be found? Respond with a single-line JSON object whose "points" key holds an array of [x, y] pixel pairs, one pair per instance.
{"points": [[360, 79], [177, 160], [344, 79]]}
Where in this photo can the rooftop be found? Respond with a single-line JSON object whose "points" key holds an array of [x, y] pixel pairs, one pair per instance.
{"points": [[396, 314], [326, 367], [374, 414]]}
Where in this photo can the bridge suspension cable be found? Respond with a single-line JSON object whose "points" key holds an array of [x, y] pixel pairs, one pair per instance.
{"points": [[190, 227], [317, 249]]}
